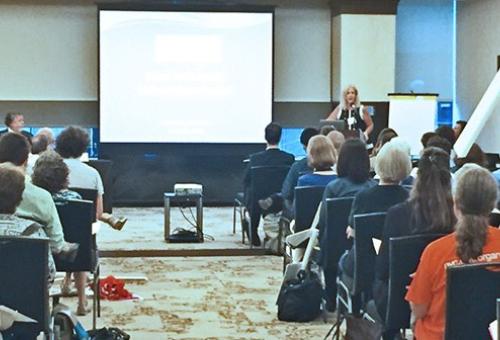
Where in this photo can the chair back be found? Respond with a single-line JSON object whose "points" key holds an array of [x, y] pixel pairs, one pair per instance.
{"points": [[76, 218], [23, 282], [471, 294], [306, 203], [367, 227], [404, 256], [265, 181], [333, 238], [88, 195]]}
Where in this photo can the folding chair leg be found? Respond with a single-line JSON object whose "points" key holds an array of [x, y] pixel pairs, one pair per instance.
{"points": [[242, 216], [234, 218], [94, 303], [99, 291]]}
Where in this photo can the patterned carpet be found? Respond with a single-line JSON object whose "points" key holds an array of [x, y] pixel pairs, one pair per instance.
{"points": [[201, 298], [144, 230]]}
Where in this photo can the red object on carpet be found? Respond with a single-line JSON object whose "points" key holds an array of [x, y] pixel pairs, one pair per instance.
{"points": [[111, 288]]}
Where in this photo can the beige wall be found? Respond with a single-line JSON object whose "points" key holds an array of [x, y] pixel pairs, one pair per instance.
{"points": [[336, 58], [478, 45], [367, 55], [302, 54], [48, 52]]}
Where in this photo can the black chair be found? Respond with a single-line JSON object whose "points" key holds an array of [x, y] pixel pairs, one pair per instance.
{"points": [[87, 195], [404, 256], [306, 202], [23, 283], [264, 181], [367, 227], [104, 168], [359, 287], [471, 294], [76, 218], [333, 240]]}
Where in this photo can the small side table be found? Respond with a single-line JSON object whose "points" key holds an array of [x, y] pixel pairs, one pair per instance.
{"points": [[172, 197]]}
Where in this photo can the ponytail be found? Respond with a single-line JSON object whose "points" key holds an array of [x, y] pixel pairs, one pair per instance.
{"points": [[475, 197], [471, 232]]}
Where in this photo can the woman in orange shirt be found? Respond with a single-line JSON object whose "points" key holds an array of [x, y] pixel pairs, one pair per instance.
{"points": [[473, 241]]}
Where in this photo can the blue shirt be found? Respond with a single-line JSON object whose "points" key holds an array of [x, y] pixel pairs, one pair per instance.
{"points": [[315, 179]]}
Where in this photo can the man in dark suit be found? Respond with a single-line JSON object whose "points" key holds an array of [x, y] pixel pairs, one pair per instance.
{"points": [[272, 156], [15, 123]]}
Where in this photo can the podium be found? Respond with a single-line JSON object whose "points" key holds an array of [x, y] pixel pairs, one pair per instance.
{"points": [[411, 115]]}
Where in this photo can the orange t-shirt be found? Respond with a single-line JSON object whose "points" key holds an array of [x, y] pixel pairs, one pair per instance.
{"points": [[428, 285]]}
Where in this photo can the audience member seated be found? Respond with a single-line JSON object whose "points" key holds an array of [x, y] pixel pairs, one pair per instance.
{"points": [[51, 173], [353, 167], [447, 133], [384, 137], [353, 171], [404, 146], [272, 156], [429, 210], [326, 129], [425, 138], [440, 142], [338, 140], [36, 204], [41, 142], [284, 201], [459, 128], [392, 166], [321, 157], [12, 184], [475, 156], [473, 241], [71, 144], [14, 121]]}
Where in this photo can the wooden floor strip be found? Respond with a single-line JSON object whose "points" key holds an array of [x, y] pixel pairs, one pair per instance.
{"points": [[184, 252]]}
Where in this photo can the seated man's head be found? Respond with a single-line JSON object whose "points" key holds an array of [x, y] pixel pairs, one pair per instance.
{"points": [[425, 138], [306, 135], [39, 144], [72, 142], [273, 134], [11, 188], [14, 148], [50, 172], [14, 121]]}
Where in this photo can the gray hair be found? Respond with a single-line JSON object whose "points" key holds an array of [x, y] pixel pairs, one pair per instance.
{"points": [[393, 162], [337, 139]]}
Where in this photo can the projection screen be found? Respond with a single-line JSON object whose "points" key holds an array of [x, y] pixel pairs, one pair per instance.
{"points": [[185, 77]]}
